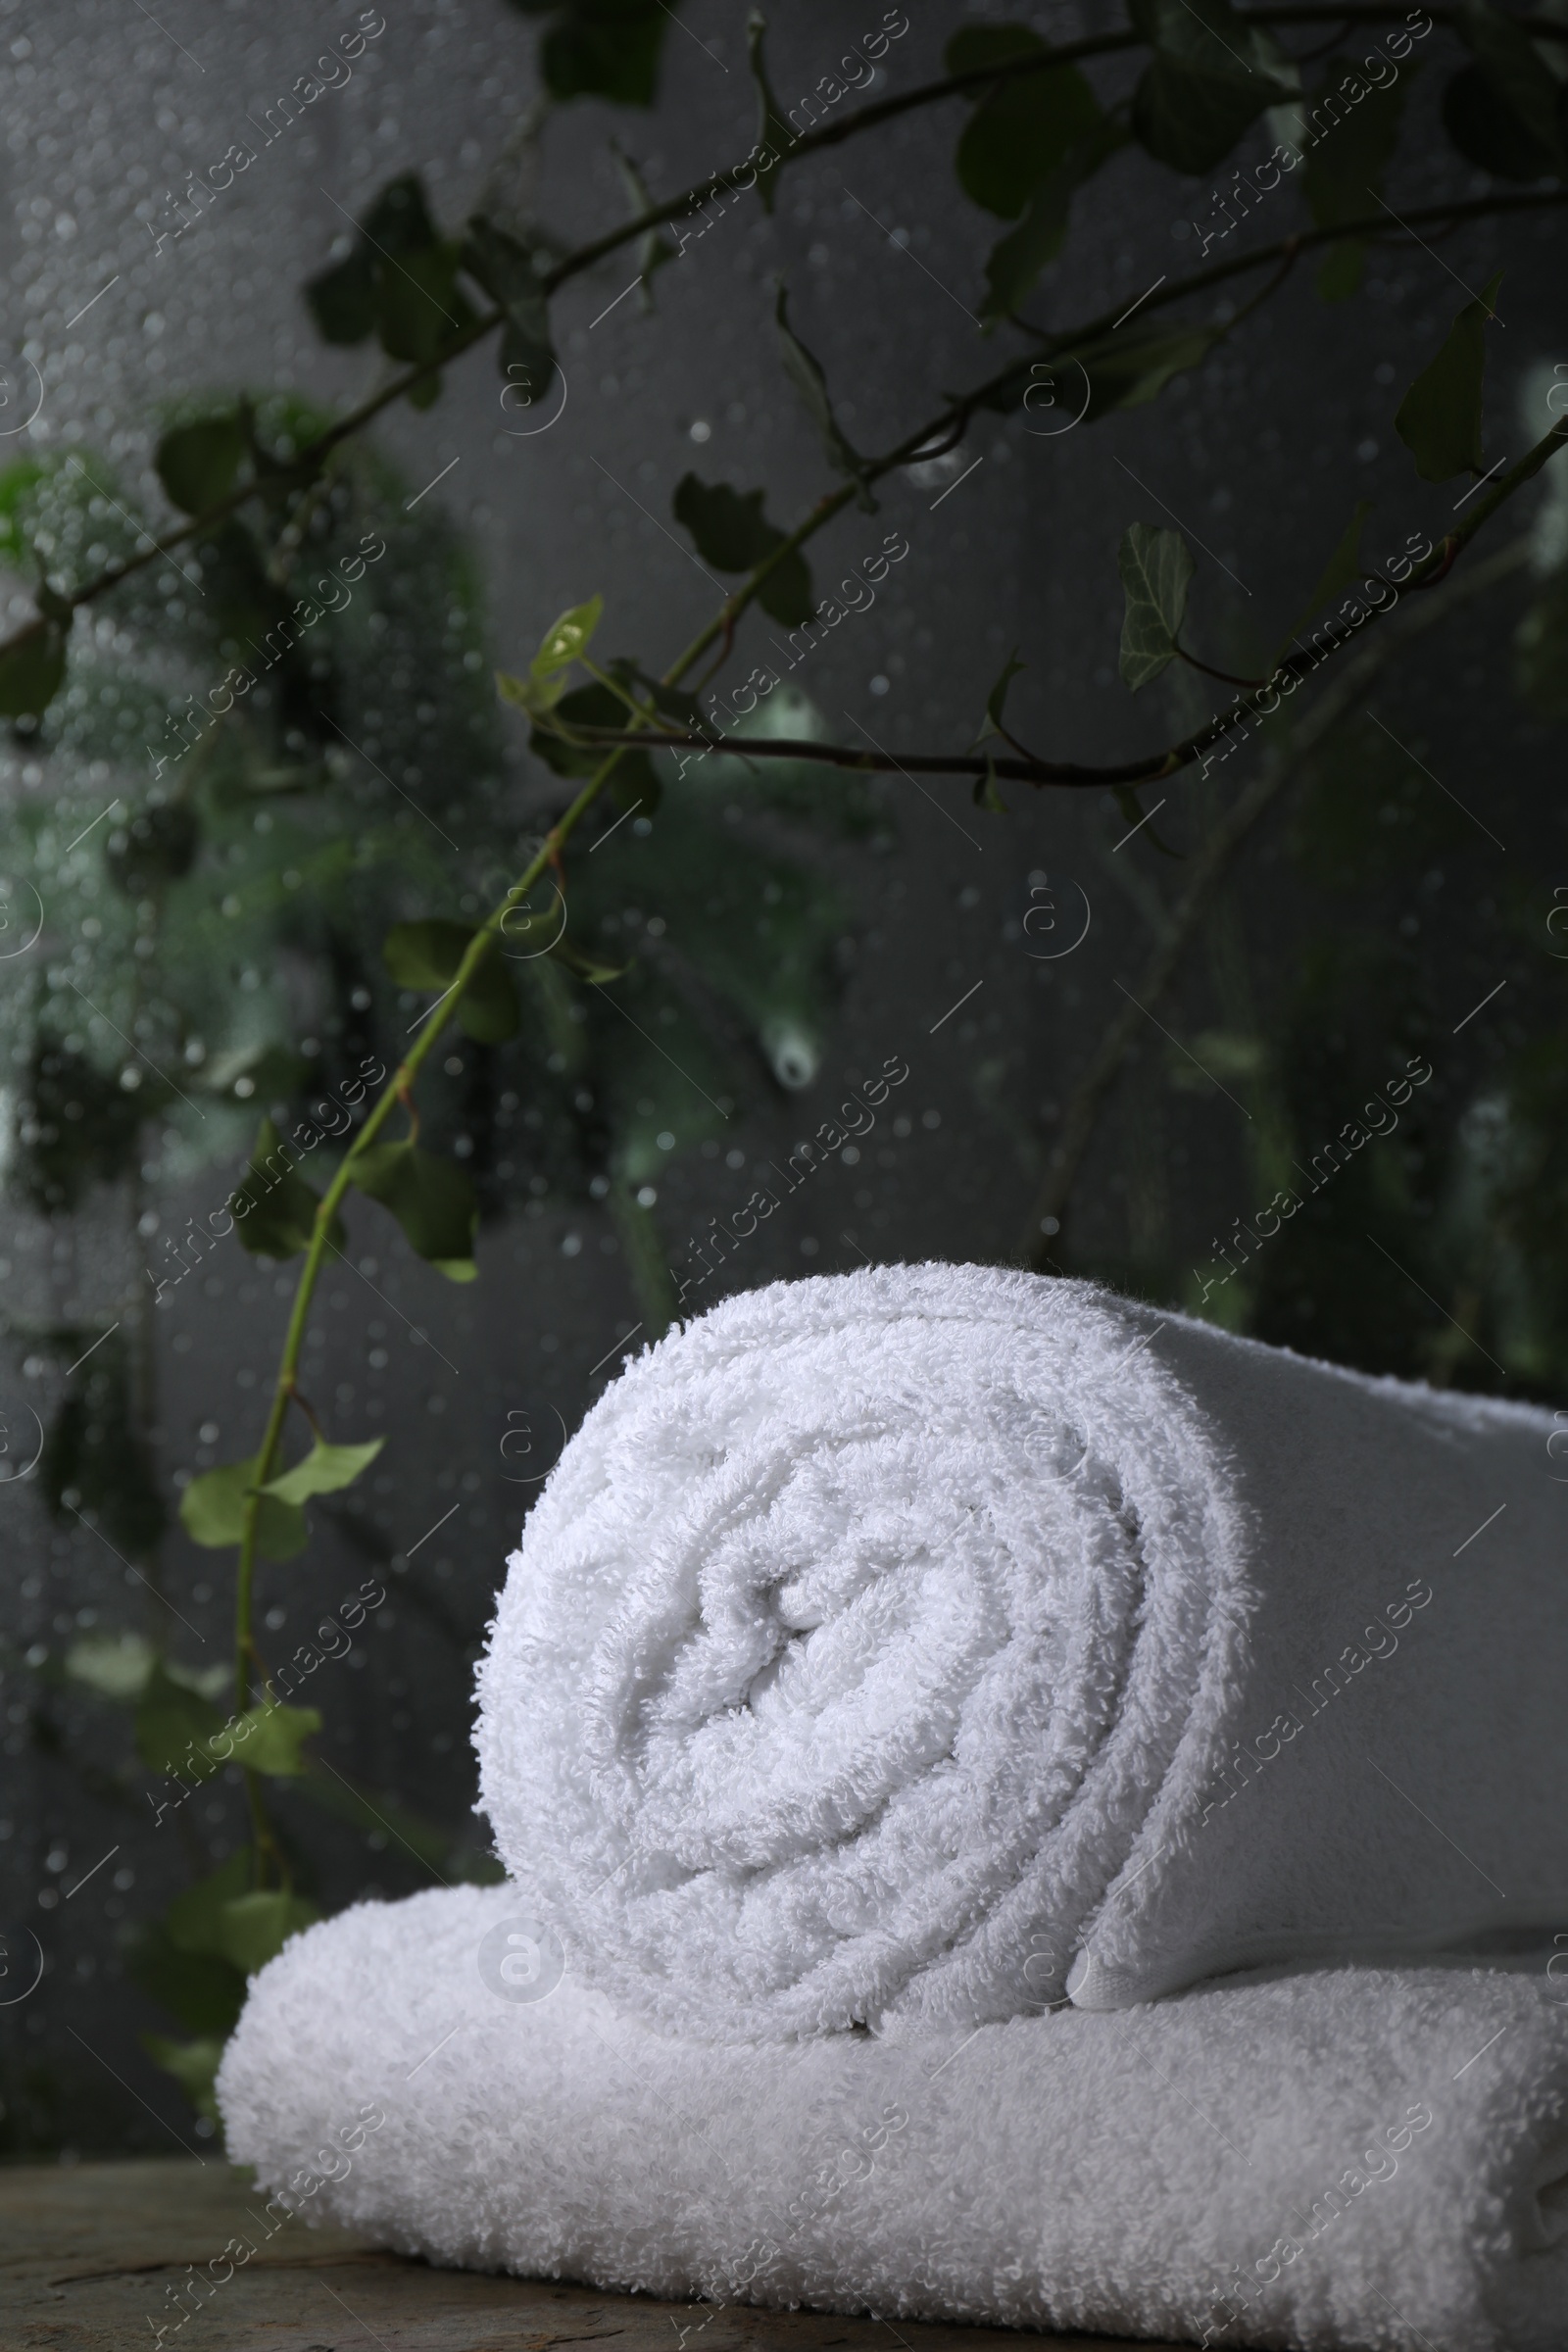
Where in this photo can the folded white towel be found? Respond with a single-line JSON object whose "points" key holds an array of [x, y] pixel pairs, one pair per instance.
{"points": [[1346, 2157], [928, 1639]]}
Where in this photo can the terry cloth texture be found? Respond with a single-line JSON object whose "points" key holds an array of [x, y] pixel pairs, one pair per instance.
{"points": [[1340, 2158], [931, 1640]]}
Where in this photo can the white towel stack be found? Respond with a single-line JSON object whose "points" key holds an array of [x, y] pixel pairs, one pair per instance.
{"points": [[890, 1656]]}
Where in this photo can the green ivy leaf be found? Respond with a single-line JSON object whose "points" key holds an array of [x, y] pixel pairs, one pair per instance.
{"points": [[634, 784], [526, 694], [427, 955], [996, 699], [193, 1921], [1157, 569], [400, 223], [591, 706], [1022, 129], [178, 1730], [202, 1990], [173, 1725], [342, 300], [774, 136], [1129, 369], [727, 526], [199, 464], [653, 248], [1355, 130], [1211, 75], [977, 49], [986, 794], [115, 1665], [633, 781], [323, 1470], [399, 282], [274, 1070], [18, 480], [1438, 420], [253, 1929], [32, 669], [240, 601], [1128, 802], [506, 272], [95, 1452], [601, 48], [269, 1738], [1340, 270], [420, 307], [431, 1198], [1486, 129], [194, 2066], [806, 374], [587, 967], [1527, 93], [222, 1918], [567, 640], [274, 1209], [1541, 653], [671, 702], [211, 1507], [730, 531], [1015, 263], [1342, 567]]}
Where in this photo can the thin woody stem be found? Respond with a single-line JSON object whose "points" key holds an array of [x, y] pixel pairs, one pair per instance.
{"points": [[1065, 342], [397, 1091], [1152, 767], [1227, 677], [946, 430], [954, 417], [972, 84]]}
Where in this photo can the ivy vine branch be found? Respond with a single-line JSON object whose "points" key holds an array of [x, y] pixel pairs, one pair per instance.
{"points": [[58, 604], [998, 72], [397, 1089], [1152, 767]]}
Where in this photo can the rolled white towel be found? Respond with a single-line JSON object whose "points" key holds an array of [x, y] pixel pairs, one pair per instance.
{"points": [[1344, 2158], [931, 1639]]}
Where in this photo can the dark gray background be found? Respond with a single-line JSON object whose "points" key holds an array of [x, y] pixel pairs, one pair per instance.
{"points": [[1259, 456]]}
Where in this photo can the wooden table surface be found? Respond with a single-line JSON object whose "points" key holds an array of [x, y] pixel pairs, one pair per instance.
{"points": [[92, 2255]]}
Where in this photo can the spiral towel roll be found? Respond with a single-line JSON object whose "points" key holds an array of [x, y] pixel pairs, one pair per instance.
{"points": [[1340, 2158], [929, 1642]]}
